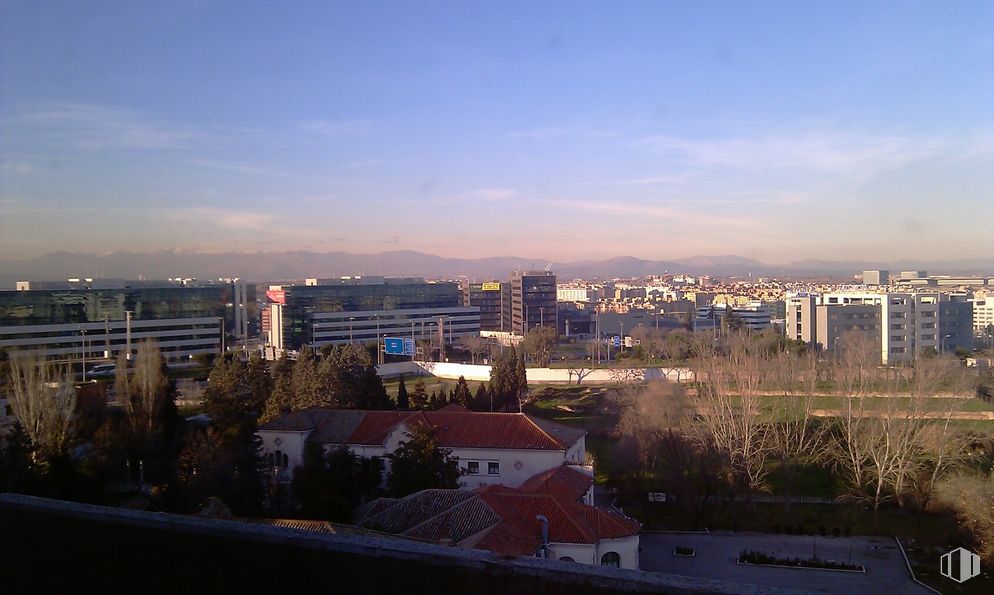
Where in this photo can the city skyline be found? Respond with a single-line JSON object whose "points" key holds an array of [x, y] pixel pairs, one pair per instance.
{"points": [[775, 132]]}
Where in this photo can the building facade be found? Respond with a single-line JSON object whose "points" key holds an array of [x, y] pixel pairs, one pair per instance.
{"points": [[533, 301], [487, 297], [320, 314], [100, 323], [903, 324]]}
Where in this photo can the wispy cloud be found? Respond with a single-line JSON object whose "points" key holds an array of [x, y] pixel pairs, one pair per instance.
{"points": [[338, 127], [94, 127], [549, 133], [16, 167], [825, 152], [232, 219], [238, 168], [491, 193]]}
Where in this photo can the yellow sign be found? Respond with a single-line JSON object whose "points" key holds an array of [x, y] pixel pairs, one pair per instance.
{"points": [[491, 287]]}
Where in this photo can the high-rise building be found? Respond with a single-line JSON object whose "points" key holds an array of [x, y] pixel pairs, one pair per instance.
{"points": [[487, 297], [533, 301]]}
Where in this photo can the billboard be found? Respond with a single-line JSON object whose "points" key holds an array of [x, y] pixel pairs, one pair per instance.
{"points": [[398, 346], [277, 296], [491, 287]]}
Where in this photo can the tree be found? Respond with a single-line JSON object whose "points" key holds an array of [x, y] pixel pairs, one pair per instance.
{"points": [[17, 472], [538, 343], [43, 398], [476, 345], [330, 485], [461, 395], [419, 463], [419, 398], [482, 400], [403, 401], [971, 496], [305, 386], [281, 397], [732, 320], [148, 397]]}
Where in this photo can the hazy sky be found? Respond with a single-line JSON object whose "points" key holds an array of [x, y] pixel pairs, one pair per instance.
{"points": [[775, 130]]}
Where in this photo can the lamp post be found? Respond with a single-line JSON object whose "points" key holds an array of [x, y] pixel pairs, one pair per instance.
{"points": [[541, 316], [82, 331], [350, 329], [942, 343]]}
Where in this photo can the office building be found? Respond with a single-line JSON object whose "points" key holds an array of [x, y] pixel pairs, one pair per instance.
{"points": [[533, 301], [903, 324], [89, 323], [486, 297], [350, 310]]}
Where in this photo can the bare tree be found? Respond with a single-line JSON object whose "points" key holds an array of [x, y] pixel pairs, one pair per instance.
{"points": [[476, 345], [795, 434], [141, 391], [728, 406], [43, 397]]}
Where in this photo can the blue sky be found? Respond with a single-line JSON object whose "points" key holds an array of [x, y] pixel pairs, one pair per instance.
{"points": [[775, 130]]}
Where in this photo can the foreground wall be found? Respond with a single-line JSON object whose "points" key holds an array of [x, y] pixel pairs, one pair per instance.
{"points": [[61, 547]]}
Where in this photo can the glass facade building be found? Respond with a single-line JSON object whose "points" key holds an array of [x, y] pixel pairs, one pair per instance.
{"points": [[304, 304], [94, 322]]}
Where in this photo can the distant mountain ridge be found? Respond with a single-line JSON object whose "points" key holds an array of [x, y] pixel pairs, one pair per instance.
{"points": [[290, 265]]}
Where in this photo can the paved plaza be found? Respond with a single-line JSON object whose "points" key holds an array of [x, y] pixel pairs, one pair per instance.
{"points": [[716, 554]]}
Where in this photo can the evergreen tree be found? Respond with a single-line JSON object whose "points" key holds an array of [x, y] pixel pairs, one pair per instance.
{"points": [[281, 397], [329, 486], [419, 397], [419, 463], [403, 401], [521, 377], [461, 395], [304, 383], [17, 472], [481, 401], [435, 401]]}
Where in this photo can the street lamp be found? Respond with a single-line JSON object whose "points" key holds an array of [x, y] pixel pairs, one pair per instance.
{"points": [[942, 343], [350, 329]]}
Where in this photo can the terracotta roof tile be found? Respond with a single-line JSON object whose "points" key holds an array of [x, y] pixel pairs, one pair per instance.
{"points": [[561, 482]]}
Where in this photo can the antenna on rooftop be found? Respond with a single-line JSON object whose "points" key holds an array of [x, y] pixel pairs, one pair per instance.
{"points": [[548, 267]]}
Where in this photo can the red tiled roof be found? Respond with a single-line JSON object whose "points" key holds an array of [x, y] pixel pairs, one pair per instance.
{"points": [[457, 427], [491, 430], [496, 518], [561, 482], [377, 425]]}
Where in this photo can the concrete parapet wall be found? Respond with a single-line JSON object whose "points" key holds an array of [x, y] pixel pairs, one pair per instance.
{"points": [[63, 547]]}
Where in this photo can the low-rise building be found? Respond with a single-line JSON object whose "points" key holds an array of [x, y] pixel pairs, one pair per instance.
{"points": [[492, 448]]}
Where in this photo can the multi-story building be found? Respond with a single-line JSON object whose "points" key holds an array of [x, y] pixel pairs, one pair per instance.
{"points": [[487, 297], [983, 316], [903, 324], [533, 301], [90, 323], [572, 293], [878, 277], [349, 310]]}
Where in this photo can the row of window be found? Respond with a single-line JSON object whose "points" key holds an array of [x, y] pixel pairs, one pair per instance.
{"points": [[473, 468]]}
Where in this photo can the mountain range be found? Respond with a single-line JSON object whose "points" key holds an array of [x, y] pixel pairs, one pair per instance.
{"points": [[295, 265]]}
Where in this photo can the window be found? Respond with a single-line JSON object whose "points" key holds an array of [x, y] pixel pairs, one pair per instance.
{"points": [[897, 349], [472, 467], [928, 337], [278, 459], [611, 559], [928, 325], [897, 327], [897, 337], [493, 468]]}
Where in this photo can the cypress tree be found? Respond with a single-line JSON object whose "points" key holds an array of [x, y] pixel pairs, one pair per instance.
{"points": [[403, 401]]}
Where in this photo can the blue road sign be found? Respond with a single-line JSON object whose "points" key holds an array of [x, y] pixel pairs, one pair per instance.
{"points": [[616, 340], [408, 346], [394, 346]]}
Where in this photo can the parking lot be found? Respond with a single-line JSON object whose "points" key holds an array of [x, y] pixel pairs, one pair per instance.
{"points": [[716, 554]]}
